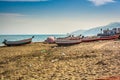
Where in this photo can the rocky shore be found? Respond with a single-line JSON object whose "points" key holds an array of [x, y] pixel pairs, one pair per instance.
{"points": [[39, 61]]}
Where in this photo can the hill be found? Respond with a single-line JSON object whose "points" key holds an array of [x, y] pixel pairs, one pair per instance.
{"points": [[94, 31], [78, 32]]}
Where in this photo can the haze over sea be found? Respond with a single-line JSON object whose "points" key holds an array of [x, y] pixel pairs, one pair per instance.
{"points": [[37, 37]]}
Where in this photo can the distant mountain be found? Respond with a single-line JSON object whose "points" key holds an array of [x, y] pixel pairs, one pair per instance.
{"points": [[78, 32], [95, 31]]}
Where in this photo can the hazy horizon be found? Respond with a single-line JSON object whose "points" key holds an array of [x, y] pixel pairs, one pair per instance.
{"points": [[56, 16]]}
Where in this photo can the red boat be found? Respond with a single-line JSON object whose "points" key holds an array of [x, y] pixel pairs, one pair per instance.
{"points": [[100, 38], [109, 37], [89, 39]]}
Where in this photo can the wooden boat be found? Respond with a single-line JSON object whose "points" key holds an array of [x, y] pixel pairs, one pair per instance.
{"points": [[89, 39], [100, 38], [109, 37], [17, 43], [66, 42]]}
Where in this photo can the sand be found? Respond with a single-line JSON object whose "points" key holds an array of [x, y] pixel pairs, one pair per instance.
{"points": [[39, 61]]}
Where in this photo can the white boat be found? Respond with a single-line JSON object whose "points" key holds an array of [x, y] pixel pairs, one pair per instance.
{"points": [[66, 42]]}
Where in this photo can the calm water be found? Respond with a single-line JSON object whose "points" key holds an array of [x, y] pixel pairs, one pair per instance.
{"points": [[37, 38]]}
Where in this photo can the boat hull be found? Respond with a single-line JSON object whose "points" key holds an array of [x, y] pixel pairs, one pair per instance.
{"points": [[89, 40], [17, 43], [109, 37], [66, 42], [100, 38]]}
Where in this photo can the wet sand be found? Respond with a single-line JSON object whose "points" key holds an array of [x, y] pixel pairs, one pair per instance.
{"points": [[39, 61]]}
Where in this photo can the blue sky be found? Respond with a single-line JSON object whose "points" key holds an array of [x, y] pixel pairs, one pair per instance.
{"points": [[55, 16]]}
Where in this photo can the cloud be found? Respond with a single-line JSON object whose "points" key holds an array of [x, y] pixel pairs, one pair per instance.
{"points": [[23, 0], [101, 2]]}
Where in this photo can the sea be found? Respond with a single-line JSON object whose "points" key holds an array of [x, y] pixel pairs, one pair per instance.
{"points": [[37, 38]]}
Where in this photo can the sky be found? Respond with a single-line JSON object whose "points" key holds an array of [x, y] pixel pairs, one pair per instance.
{"points": [[56, 16]]}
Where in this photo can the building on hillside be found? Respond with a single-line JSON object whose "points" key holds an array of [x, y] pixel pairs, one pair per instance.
{"points": [[108, 32]]}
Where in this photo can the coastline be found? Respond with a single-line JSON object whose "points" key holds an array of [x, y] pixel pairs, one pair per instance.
{"points": [[37, 37], [37, 60]]}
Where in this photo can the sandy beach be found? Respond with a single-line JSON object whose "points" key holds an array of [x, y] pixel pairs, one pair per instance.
{"points": [[39, 61]]}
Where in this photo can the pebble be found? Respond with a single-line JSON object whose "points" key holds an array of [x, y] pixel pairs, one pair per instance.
{"points": [[54, 60], [63, 54]]}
